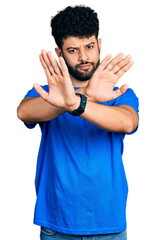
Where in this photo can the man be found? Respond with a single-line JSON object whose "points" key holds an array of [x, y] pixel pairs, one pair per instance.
{"points": [[80, 180]]}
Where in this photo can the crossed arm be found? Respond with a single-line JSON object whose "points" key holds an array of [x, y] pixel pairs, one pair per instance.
{"points": [[61, 96]]}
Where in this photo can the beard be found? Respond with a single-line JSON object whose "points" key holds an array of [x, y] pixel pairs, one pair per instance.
{"points": [[82, 76]]}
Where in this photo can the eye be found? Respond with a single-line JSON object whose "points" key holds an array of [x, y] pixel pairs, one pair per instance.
{"points": [[90, 46], [72, 51]]}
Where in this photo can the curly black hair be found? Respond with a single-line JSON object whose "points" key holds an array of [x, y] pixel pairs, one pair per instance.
{"points": [[78, 21]]}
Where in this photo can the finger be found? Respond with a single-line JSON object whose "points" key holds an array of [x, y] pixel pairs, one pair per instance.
{"points": [[122, 63], [54, 63], [47, 62], [124, 69], [64, 67], [104, 62], [114, 61], [40, 91], [120, 91], [48, 74]]}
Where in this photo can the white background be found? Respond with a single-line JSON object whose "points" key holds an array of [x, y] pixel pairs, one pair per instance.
{"points": [[127, 26]]}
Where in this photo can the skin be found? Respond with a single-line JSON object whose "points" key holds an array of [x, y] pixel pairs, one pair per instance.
{"points": [[99, 88], [77, 52]]}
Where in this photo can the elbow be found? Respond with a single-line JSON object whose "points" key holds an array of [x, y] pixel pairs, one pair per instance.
{"points": [[20, 114], [23, 114], [129, 127]]}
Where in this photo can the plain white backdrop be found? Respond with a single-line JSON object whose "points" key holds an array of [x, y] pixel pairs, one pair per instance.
{"points": [[126, 26]]}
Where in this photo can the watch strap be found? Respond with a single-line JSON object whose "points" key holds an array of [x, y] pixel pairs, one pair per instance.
{"points": [[81, 108]]}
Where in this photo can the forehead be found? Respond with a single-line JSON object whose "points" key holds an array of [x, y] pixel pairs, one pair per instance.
{"points": [[77, 41]]}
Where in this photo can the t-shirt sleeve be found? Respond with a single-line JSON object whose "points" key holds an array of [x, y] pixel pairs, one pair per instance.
{"points": [[129, 98], [33, 93]]}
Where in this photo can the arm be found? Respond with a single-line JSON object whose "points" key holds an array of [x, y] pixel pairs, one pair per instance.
{"points": [[100, 88], [36, 109], [121, 118]]}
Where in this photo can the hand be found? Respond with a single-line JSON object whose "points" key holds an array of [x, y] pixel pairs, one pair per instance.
{"points": [[101, 86], [61, 91]]}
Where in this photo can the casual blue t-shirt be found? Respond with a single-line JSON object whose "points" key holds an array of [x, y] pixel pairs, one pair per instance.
{"points": [[80, 179]]}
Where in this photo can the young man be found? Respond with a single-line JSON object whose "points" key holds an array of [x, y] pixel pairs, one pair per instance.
{"points": [[80, 180]]}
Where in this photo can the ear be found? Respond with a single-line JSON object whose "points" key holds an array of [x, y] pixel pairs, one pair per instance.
{"points": [[99, 43], [58, 52]]}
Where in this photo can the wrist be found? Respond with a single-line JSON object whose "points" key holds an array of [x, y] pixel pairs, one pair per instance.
{"points": [[89, 96], [75, 105], [78, 111], [84, 91]]}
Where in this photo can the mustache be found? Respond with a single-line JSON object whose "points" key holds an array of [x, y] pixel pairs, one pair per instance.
{"points": [[83, 63]]}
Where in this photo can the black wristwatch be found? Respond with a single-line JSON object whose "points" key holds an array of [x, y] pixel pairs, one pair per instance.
{"points": [[82, 106]]}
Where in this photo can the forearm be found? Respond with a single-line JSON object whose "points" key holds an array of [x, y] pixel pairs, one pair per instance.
{"points": [[111, 118], [37, 110]]}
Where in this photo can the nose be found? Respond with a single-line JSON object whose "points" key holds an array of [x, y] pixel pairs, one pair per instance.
{"points": [[83, 57]]}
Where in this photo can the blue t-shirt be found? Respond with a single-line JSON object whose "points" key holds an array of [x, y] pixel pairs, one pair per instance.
{"points": [[80, 179]]}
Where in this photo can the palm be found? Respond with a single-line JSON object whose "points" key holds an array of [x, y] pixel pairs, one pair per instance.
{"points": [[101, 86], [61, 92], [104, 84]]}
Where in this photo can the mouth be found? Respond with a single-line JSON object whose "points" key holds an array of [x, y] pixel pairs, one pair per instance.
{"points": [[84, 66]]}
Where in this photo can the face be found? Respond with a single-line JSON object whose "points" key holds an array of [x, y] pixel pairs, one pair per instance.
{"points": [[81, 56]]}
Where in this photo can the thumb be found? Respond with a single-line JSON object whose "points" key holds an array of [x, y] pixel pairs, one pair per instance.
{"points": [[120, 91], [40, 91]]}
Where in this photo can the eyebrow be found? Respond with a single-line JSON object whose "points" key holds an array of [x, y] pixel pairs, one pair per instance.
{"points": [[77, 47]]}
